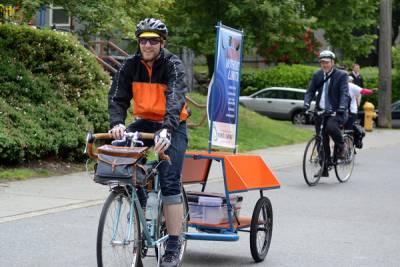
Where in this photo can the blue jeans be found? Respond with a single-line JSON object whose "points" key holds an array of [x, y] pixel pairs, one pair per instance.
{"points": [[169, 175]]}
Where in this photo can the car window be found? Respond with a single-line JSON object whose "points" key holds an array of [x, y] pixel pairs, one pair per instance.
{"points": [[299, 96], [284, 94], [268, 94], [290, 95], [281, 94], [396, 107]]}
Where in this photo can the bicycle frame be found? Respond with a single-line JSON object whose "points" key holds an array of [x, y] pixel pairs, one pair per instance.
{"points": [[326, 157], [321, 136], [148, 230]]}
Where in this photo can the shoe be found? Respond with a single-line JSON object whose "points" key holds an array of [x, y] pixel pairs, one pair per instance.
{"points": [[170, 259], [325, 173], [341, 152]]}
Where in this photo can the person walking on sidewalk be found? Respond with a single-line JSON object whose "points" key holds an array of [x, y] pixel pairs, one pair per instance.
{"points": [[154, 80], [333, 97], [358, 79], [355, 92]]}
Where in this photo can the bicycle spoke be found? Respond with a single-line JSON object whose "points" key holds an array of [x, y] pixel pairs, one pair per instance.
{"points": [[344, 168], [313, 162], [117, 245]]}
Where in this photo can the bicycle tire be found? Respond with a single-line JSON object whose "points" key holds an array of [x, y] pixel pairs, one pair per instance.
{"points": [[313, 161], [344, 168], [261, 233], [161, 229], [115, 216]]}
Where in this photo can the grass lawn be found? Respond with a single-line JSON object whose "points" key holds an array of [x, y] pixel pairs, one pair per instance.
{"points": [[22, 173], [255, 132]]}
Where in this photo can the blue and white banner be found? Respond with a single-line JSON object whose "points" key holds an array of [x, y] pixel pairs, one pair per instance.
{"points": [[224, 89]]}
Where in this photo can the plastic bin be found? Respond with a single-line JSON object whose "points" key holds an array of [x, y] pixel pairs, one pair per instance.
{"points": [[211, 208]]}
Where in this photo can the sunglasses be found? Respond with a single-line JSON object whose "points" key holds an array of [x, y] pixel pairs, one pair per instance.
{"points": [[152, 41]]}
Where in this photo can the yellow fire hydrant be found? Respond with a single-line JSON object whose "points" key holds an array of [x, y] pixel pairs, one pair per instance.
{"points": [[369, 116]]}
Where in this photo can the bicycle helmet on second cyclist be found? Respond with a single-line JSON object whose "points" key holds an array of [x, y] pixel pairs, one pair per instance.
{"points": [[326, 55], [151, 27]]}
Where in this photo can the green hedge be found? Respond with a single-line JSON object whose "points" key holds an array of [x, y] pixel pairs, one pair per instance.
{"points": [[52, 91], [371, 80], [298, 76]]}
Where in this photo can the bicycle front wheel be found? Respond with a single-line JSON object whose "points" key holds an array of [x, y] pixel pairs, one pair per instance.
{"points": [[344, 168], [118, 236], [313, 161]]}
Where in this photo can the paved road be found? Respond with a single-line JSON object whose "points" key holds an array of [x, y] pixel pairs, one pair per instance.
{"points": [[332, 224]]}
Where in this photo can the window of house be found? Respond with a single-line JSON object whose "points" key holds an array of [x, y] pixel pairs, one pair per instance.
{"points": [[59, 17]]}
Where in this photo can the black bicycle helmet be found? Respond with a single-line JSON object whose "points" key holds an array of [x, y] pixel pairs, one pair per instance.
{"points": [[151, 25]]}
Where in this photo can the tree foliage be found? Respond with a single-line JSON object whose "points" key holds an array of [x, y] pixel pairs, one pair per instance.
{"points": [[350, 26], [107, 18], [267, 24], [280, 30]]}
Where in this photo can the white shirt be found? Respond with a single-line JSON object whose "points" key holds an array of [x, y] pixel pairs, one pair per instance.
{"points": [[322, 99], [355, 92]]}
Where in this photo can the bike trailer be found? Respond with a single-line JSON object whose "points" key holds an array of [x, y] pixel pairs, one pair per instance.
{"points": [[211, 208]]}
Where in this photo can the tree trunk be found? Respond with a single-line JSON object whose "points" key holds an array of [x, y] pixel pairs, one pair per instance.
{"points": [[210, 63], [187, 56], [385, 65]]}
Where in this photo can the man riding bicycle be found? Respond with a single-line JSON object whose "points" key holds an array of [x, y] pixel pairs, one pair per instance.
{"points": [[333, 98], [153, 80]]}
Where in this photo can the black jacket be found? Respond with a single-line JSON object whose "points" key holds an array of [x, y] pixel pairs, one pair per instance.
{"points": [[167, 71], [358, 80], [338, 92]]}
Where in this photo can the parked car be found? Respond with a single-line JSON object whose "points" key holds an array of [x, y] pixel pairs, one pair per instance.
{"points": [[395, 107], [278, 103]]}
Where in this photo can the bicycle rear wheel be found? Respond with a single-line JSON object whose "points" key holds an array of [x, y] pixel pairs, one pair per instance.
{"points": [[344, 168], [313, 161], [161, 229], [261, 229], [115, 246]]}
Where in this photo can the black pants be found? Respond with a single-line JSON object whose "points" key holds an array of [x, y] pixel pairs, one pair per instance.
{"points": [[331, 128], [350, 122]]}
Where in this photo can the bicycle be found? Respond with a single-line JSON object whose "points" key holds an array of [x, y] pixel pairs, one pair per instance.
{"points": [[126, 229], [315, 159]]}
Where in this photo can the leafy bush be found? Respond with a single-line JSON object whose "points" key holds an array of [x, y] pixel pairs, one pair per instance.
{"points": [[52, 91], [297, 76], [371, 80], [396, 73]]}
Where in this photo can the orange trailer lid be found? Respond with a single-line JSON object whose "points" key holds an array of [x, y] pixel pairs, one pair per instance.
{"points": [[242, 172]]}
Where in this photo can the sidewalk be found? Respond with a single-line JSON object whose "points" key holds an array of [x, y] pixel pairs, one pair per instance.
{"points": [[22, 199]]}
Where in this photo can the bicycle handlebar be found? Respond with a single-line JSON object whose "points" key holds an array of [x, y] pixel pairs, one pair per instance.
{"points": [[91, 138], [321, 112]]}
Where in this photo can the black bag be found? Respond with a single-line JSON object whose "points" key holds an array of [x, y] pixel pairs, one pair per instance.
{"points": [[114, 168], [116, 164], [358, 134]]}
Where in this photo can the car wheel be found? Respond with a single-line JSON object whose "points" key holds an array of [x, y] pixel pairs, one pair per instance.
{"points": [[299, 118]]}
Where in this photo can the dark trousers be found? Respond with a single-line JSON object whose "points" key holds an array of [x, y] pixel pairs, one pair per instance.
{"points": [[331, 128], [169, 175], [350, 122]]}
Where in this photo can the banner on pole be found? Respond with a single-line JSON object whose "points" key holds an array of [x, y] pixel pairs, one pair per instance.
{"points": [[224, 89]]}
